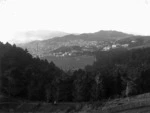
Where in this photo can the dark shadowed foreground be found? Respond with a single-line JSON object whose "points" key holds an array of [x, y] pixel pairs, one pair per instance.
{"points": [[140, 104]]}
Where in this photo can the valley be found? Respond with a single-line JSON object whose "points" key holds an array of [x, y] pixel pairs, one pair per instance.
{"points": [[76, 51], [71, 63]]}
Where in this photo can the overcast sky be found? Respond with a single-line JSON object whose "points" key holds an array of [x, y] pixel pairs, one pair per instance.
{"points": [[74, 16]]}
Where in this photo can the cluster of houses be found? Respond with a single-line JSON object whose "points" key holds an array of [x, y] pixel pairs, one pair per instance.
{"points": [[86, 46]]}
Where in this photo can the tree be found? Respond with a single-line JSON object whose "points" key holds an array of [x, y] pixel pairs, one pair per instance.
{"points": [[1, 55], [97, 90]]}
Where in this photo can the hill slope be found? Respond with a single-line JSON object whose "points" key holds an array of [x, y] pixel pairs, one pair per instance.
{"points": [[136, 104], [45, 47], [29, 36], [73, 46]]}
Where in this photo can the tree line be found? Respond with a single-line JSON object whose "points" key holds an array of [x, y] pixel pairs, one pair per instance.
{"points": [[115, 73]]}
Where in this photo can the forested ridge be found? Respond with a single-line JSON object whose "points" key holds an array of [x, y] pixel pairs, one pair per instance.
{"points": [[115, 73]]}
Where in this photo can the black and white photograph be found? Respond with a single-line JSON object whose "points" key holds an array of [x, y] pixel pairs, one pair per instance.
{"points": [[74, 56]]}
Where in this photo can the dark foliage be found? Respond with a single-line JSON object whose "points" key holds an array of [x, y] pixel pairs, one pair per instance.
{"points": [[115, 73]]}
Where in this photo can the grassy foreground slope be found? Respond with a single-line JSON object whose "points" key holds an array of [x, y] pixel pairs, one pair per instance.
{"points": [[136, 104]]}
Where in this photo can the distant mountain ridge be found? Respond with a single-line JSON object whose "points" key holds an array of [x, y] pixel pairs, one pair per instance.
{"points": [[86, 39], [97, 36], [29, 36]]}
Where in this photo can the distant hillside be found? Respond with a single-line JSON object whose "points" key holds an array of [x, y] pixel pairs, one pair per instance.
{"points": [[73, 46], [97, 36], [45, 46], [25, 37], [136, 41]]}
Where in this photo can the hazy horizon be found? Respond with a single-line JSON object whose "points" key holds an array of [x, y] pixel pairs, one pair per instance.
{"points": [[73, 16]]}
